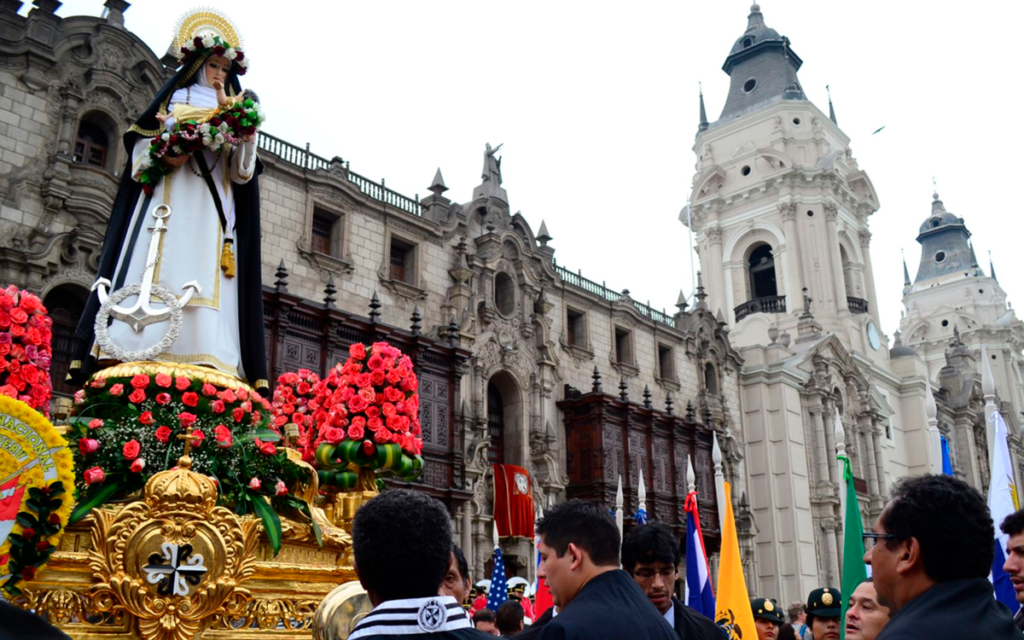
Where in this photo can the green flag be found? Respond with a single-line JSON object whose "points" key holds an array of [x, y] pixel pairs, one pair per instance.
{"points": [[854, 569]]}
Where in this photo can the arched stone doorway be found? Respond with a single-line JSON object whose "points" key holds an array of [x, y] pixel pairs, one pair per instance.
{"points": [[505, 424], [65, 304]]}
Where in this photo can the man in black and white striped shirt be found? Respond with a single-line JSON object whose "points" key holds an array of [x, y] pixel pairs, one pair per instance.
{"points": [[402, 541]]}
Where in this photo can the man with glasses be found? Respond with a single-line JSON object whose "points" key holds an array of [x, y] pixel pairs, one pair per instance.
{"points": [[651, 554], [930, 554]]}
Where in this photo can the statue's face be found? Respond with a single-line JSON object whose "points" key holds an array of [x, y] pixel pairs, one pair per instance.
{"points": [[216, 68]]}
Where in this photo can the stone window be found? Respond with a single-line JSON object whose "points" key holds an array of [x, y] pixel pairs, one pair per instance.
{"points": [[710, 378], [402, 261], [66, 303], [575, 328], [666, 363], [91, 144], [623, 346], [327, 233], [495, 424], [504, 293], [761, 272]]}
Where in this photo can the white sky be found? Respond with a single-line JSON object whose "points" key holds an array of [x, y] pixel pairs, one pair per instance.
{"points": [[596, 104]]}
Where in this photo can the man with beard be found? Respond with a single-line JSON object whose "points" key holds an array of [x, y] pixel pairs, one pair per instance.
{"points": [[767, 618], [931, 554], [824, 608], [652, 555], [865, 618], [1013, 526]]}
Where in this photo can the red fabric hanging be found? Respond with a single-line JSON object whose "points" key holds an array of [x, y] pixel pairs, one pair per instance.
{"points": [[513, 501]]}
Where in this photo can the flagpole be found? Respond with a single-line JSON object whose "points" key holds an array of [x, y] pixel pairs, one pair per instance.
{"points": [[641, 495], [618, 507], [716, 459], [988, 388], [932, 430], [840, 434]]}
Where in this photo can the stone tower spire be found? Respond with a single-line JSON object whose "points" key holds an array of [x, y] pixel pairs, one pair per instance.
{"points": [[992, 267], [703, 126], [831, 110], [945, 244]]}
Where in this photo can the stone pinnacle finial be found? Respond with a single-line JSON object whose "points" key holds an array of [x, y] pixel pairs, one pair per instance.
{"points": [[991, 267], [329, 292], [437, 185], [596, 387], [906, 273], [416, 319], [703, 125], [542, 234], [681, 302], [831, 111], [623, 390], [281, 284], [375, 308], [647, 397]]}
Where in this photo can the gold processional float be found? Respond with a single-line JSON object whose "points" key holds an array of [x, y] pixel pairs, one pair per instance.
{"points": [[173, 501]]}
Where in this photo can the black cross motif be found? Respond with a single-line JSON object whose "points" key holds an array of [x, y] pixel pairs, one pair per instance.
{"points": [[182, 569]]}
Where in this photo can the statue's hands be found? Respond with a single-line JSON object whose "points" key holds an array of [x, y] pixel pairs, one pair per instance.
{"points": [[175, 161], [218, 85], [162, 117]]}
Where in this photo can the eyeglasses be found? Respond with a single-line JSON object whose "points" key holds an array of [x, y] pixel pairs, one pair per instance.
{"points": [[871, 539], [648, 574]]}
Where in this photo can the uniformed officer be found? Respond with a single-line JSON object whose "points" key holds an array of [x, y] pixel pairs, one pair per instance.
{"points": [[767, 618], [824, 607]]}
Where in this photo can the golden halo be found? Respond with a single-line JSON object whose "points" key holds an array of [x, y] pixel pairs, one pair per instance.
{"points": [[206, 22]]}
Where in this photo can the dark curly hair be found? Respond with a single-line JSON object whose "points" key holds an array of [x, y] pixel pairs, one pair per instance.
{"points": [[1013, 523], [402, 542], [951, 522], [648, 543], [585, 524]]}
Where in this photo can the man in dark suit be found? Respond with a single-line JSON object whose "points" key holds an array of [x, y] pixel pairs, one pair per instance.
{"points": [[532, 632], [402, 542], [579, 551], [651, 553]]}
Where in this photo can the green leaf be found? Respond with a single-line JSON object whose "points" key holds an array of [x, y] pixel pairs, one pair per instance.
{"points": [[26, 520], [34, 505], [56, 489], [106, 491], [267, 435], [271, 521]]}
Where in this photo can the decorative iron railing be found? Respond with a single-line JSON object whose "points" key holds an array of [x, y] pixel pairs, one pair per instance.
{"points": [[857, 305], [304, 158], [772, 304], [577, 280]]}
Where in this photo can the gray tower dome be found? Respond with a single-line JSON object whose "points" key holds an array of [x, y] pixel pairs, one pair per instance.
{"points": [[945, 245]]}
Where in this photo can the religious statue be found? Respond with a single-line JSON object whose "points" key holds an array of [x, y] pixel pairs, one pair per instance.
{"points": [[192, 184], [492, 164]]}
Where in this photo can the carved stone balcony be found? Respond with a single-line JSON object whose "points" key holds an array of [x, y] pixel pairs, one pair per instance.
{"points": [[857, 305], [771, 304]]}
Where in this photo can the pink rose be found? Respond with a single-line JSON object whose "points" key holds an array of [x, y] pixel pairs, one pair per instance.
{"points": [[254, 483], [190, 398], [87, 446], [197, 438], [217, 406], [146, 418], [187, 419], [138, 465], [94, 475], [209, 389], [281, 489], [163, 398], [137, 396], [140, 381], [117, 389], [163, 380], [181, 383], [95, 423], [357, 351], [131, 449], [163, 434]]}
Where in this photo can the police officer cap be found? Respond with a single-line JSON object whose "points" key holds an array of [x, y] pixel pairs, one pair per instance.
{"points": [[766, 609], [825, 603]]}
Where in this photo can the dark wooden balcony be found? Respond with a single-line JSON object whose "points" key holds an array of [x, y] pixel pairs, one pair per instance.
{"points": [[857, 305], [771, 304]]}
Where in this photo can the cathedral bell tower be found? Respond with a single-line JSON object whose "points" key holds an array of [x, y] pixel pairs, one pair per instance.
{"points": [[778, 204]]}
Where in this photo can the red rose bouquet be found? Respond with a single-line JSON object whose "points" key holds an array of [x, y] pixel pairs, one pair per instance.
{"points": [[227, 126], [25, 334], [127, 428], [367, 416], [292, 405]]}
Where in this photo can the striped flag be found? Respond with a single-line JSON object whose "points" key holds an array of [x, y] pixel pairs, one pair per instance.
{"points": [[1002, 501], [542, 600], [498, 591], [699, 593]]}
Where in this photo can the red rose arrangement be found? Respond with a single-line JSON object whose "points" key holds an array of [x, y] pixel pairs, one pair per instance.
{"points": [[126, 429], [367, 414], [293, 403], [25, 334]]}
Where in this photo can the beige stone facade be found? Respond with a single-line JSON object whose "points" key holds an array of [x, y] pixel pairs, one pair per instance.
{"points": [[779, 204]]}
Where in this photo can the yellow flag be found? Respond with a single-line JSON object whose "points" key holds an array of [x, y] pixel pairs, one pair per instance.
{"points": [[732, 611]]}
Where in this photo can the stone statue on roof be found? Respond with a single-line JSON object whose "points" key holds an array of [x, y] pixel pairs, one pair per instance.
{"points": [[492, 164]]}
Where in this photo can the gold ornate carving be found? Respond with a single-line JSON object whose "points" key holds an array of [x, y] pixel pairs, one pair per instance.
{"points": [[174, 560], [217, 378]]}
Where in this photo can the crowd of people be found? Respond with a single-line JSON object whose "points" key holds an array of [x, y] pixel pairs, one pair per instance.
{"points": [[930, 553]]}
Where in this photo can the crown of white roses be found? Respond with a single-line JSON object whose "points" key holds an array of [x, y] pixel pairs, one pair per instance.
{"points": [[213, 44]]}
